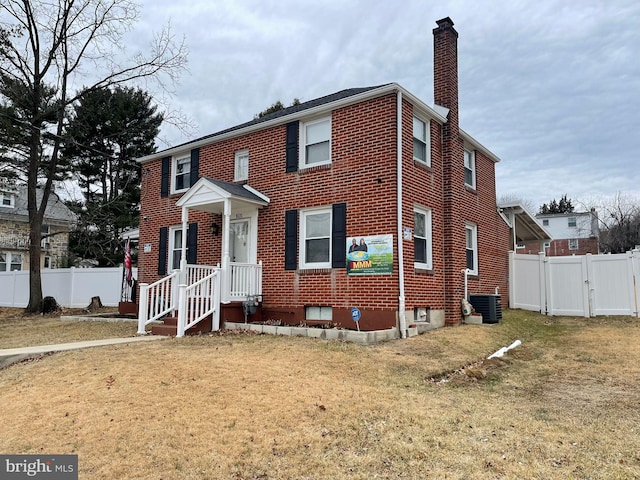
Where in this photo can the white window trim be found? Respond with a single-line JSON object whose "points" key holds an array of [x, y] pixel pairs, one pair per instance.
{"points": [[174, 170], [427, 141], [575, 222], [303, 143], [46, 241], [428, 232], [11, 197], [472, 160], [239, 173], [468, 226], [172, 247], [303, 236], [9, 261], [573, 244]]}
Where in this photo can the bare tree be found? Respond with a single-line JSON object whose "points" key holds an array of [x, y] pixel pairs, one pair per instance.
{"points": [[619, 221], [47, 49]]}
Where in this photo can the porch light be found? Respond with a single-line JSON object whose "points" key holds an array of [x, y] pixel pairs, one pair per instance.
{"points": [[215, 229]]}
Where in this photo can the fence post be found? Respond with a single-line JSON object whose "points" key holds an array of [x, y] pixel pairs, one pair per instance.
{"points": [[215, 318], [143, 308], [543, 282], [182, 309], [512, 279]]}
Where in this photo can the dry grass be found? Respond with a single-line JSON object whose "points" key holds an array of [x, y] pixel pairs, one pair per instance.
{"points": [[564, 405], [20, 330]]}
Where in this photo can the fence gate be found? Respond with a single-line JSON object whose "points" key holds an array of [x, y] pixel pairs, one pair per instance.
{"points": [[588, 285]]}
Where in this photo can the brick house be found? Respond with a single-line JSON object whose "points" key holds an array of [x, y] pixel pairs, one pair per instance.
{"points": [[14, 229], [366, 198], [576, 233]]}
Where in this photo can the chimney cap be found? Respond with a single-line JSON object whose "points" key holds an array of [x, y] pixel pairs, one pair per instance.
{"points": [[445, 22]]}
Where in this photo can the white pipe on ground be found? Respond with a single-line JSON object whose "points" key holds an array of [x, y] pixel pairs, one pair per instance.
{"points": [[504, 350]]}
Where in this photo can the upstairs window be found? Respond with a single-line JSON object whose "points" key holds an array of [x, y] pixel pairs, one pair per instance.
{"points": [[421, 148], [422, 239], [45, 230], [470, 168], [315, 238], [182, 173], [471, 232], [572, 221], [545, 223], [241, 169], [315, 142], [7, 200]]}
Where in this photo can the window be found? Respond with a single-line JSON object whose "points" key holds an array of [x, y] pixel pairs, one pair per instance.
{"points": [[241, 170], [422, 238], [316, 143], [182, 175], [10, 261], [545, 223], [572, 221], [573, 244], [318, 313], [315, 238], [7, 200], [421, 150], [46, 240], [47, 262], [470, 168], [175, 247], [547, 244], [472, 247]]}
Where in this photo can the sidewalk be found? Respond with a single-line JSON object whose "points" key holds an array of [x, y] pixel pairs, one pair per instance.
{"points": [[12, 355]]}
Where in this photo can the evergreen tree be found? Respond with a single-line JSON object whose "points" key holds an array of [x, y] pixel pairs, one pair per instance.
{"points": [[563, 206], [108, 130]]}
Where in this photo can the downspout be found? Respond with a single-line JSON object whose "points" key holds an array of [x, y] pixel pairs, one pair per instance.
{"points": [[401, 300]]}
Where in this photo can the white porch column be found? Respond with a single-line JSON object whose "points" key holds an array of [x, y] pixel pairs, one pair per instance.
{"points": [[183, 254], [226, 257]]}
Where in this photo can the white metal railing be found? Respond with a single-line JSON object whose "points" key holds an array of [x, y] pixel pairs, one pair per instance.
{"points": [[244, 279], [199, 300], [157, 300]]}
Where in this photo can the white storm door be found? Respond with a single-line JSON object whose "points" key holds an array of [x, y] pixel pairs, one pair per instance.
{"points": [[240, 240]]}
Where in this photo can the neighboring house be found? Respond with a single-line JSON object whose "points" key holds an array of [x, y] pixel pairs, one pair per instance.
{"points": [[14, 229], [288, 193], [574, 233]]}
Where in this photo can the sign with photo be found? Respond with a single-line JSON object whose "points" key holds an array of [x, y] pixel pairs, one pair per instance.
{"points": [[370, 255]]}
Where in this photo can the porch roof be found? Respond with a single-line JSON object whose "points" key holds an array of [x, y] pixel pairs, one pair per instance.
{"points": [[527, 227], [209, 195]]}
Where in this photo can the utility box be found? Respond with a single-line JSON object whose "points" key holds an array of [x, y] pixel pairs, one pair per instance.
{"points": [[489, 306]]}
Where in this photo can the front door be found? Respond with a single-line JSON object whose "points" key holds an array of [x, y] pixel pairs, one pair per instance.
{"points": [[239, 239]]}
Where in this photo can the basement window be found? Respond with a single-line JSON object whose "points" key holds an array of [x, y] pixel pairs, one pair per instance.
{"points": [[318, 313]]}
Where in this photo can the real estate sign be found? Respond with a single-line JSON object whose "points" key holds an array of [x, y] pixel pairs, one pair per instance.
{"points": [[370, 255]]}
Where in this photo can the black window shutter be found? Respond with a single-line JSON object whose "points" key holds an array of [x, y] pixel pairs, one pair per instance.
{"points": [[291, 240], [192, 244], [164, 185], [195, 165], [162, 251], [339, 236], [292, 146]]}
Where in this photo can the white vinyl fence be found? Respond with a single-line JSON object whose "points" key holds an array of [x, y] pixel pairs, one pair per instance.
{"points": [[585, 285], [71, 287]]}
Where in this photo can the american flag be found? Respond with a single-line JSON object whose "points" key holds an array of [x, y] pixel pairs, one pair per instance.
{"points": [[127, 264]]}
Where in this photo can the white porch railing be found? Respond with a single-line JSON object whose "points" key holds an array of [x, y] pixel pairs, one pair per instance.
{"points": [[198, 295], [244, 279], [199, 300], [157, 300]]}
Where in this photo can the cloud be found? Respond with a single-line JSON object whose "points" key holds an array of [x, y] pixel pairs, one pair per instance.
{"points": [[550, 87]]}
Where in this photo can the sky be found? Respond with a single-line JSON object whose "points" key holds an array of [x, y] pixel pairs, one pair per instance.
{"points": [[552, 87]]}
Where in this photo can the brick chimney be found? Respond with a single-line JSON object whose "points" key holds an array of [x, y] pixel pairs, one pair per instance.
{"points": [[445, 89], [445, 68]]}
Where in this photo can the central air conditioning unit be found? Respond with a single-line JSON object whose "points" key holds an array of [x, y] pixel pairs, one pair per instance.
{"points": [[489, 306]]}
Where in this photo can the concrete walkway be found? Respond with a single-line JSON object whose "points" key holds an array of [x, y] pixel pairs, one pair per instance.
{"points": [[13, 355]]}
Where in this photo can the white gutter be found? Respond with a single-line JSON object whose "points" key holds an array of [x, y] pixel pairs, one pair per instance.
{"points": [[401, 299]]}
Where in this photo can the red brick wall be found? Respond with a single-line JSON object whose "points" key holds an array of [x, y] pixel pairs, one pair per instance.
{"points": [[362, 175], [560, 247]]}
